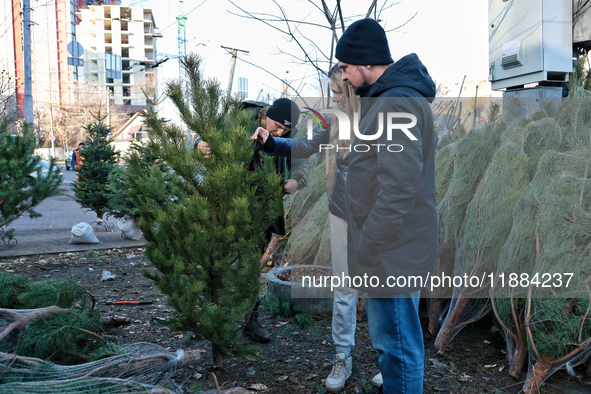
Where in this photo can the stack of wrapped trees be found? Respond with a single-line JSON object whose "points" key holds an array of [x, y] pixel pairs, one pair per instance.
{"points": [[514, 207]]}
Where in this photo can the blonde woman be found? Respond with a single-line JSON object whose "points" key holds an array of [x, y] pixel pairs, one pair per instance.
{"points": [[345, 299]]}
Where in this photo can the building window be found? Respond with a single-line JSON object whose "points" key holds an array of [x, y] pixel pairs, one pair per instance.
{"points": [[242, 87]]}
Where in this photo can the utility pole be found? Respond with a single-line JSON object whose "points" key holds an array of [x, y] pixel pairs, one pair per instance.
{"points": [[51, 128], [27, 53], [232, 66], [108, 108]]}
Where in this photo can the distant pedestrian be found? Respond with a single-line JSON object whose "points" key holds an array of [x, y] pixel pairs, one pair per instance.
{"points": [[77, 159]]}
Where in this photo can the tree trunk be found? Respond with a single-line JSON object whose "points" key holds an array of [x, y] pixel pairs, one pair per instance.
{"points": [[534, 381], [435, 314], [271, 249], [518, 359], [218, 357], [361, 304], [19, 321], [451, 323]]}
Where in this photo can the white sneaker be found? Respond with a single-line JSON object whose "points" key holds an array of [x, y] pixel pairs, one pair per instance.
{"points": [[377, 380], [341, 371]]}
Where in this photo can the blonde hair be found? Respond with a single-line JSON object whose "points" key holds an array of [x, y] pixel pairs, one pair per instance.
{"points": [[351, 106]]}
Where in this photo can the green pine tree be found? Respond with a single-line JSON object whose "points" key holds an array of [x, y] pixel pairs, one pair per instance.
{"points": [[22, 184], [205, 220], [120, 200], [99, 159]]}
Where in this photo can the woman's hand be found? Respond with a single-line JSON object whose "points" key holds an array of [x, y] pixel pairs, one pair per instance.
{"points": [[290, 186], [260, 135], [204, 147]]}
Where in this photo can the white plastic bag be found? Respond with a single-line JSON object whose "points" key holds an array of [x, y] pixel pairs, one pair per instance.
{"points": [[129, 228], [82, 233]]}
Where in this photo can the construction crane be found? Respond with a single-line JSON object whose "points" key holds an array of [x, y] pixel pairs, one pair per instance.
{"points": [[182, 38]]}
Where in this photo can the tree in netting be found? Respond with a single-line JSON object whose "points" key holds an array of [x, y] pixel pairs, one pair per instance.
{"points": [[444, 169], [522, 246], [488, 219], [99, 159], [138, 366], [558, 316], [84, 386], [205, 237], [472, 155], [23, 185]]}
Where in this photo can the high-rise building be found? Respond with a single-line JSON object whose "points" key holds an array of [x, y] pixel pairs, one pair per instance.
{"points": [[53, 27], [119, 50]]}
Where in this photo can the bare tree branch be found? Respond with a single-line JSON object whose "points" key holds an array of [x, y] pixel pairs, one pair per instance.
{"points": [[373, 4], [270, 73], [281, 20], [341, 15], [398, 27], [257, 18], [295, 38], [330, 20]]}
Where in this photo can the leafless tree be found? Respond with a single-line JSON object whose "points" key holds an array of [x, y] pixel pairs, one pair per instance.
{"points": [[313, 51], [67, 121], [7, 94]]}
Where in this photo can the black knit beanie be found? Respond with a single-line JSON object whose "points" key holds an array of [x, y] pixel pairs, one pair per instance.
{"points": [[285, 112], [364, 43]]}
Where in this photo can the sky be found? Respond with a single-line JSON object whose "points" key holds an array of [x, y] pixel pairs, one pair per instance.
{"points": [[449, 36]]}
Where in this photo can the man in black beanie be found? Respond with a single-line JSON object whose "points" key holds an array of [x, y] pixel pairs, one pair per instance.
{"points": [[391, 212]]}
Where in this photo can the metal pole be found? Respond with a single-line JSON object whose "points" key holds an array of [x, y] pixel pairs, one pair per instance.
{"points": [[51, 128], [27, 53], [108, 108]]}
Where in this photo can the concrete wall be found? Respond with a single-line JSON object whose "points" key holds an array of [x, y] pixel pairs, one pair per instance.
{"points": [[45, 153]]}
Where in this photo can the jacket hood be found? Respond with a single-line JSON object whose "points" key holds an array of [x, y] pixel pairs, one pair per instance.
{"points": [[408, 72]]}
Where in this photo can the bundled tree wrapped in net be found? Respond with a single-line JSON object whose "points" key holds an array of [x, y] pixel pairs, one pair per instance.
{"points": [[472, 156], [558, 305], [138, 364], [523, 245], [489, 219]]}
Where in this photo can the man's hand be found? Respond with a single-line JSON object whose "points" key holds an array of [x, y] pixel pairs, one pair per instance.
{"points": [[290, 186], [261, 135], [204, 147]]}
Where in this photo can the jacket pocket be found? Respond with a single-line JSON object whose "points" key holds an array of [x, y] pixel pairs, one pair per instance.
{"points": [[359, 212]]}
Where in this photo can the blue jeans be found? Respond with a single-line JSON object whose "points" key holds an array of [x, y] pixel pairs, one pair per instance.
{"points": [[395, 332]]}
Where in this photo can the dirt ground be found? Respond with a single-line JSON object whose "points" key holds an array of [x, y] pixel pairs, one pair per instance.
{"points": [[296, 360]]}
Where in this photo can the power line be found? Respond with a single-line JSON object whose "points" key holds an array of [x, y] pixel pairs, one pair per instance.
{"points": [[187, 14]]}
